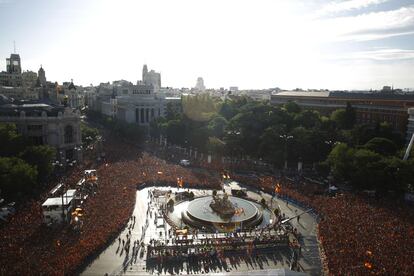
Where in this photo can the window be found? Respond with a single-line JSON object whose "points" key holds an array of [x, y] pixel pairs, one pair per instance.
{"points": [[69, 154], [37, 140], [68, 134], [34, 127]]}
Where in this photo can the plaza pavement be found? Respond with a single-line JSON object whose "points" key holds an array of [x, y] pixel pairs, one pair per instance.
{"points": [[115, 261]]}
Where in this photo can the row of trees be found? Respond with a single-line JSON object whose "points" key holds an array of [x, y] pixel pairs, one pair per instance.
{"points": [[122, 129], [24, 167], [372, 166], [243, 127]]}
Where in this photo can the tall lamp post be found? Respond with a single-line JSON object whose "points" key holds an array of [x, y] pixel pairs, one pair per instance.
{"points": [[286, 138]]}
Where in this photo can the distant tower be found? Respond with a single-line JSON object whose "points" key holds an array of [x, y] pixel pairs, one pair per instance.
{"points": [[151, 78], [42, 76], [144, 73], [13, 64], [200, 84]]}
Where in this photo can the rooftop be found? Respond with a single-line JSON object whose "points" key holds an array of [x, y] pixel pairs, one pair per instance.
{"points": [[56, 201], [348, 95]]}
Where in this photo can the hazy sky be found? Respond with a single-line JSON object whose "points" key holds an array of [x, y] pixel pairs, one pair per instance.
{"points": [[353, 44]]}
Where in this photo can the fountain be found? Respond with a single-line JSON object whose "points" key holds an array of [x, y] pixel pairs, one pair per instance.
{"points": [[221, 212], [222, 206]]}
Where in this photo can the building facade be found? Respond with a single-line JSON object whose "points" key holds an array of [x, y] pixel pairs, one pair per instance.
{"points": [[200, 85], [371, 108], [13, 74], [44, 124], [151, 78], [132, 103], [20, 92]]}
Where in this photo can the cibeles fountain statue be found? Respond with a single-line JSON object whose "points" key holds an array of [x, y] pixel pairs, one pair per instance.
{"points": [[222, 206], [222, 212]]}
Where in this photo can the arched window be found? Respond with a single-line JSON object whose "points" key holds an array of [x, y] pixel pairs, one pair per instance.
{"points": [[68, 134]]}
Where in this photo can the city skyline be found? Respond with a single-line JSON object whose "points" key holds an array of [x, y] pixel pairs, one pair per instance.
{"points": [[349, 45]]}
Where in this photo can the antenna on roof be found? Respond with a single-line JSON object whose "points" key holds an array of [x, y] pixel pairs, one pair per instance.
{"points": [[14, 46]]}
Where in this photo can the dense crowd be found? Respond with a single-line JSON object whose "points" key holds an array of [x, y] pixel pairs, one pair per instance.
{"points": [[359, 235], [28, 247]]}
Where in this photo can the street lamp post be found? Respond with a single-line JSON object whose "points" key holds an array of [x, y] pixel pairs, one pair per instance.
{"points": [[286, 138]]}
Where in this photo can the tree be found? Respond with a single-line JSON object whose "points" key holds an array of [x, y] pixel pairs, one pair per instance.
{"points": [[16, 177], [158, 126], [350, 116], [385, 130], [217, 126], [198, 137], [368, 170], [400, 174], [170, 113], [292, 107], [228, 110], [341, 161], [338, 116], [40, 157], [244, 129], [382, 146], [272, 146], [11, 141], [308, 119], [361, 134], [344, 118], [89, 134], [199, 108], [215, 145]]}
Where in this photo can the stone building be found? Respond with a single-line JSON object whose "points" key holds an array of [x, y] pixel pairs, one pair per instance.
{"points": [[371, 107], [151, 78], [13, 74], [46, 124]]}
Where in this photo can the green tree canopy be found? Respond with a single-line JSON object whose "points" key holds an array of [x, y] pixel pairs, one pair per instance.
{"points": [[216, 146], [340, 160], [200, 107], [16, 177], [89, 134], [344, 118], [217, 126], [308, 119], [11, 141], [292, 107], [40, 157], [368, 170], [382, 146]]}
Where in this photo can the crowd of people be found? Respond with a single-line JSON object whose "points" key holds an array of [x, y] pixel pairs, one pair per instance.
{"points": [[29, 247], [358, 235]]}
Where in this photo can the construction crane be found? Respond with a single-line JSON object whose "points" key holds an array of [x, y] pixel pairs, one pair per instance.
{"points": [[410, 145]]}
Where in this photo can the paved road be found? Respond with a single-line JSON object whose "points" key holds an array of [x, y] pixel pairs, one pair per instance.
{"points": [[114, 260]]}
